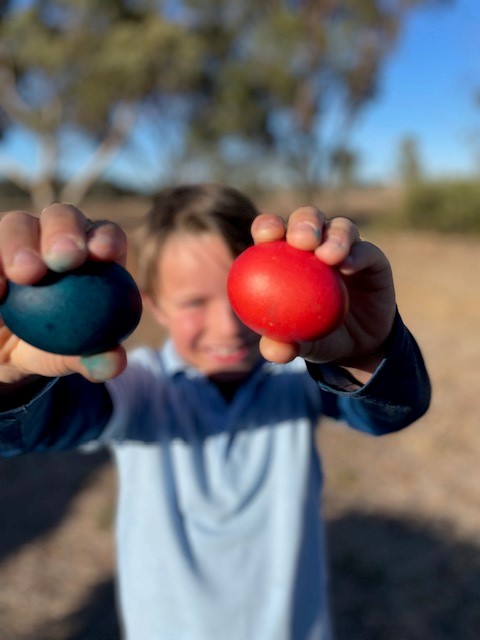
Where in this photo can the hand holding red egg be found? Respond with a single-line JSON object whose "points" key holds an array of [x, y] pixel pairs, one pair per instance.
{"points": [[312, 287]]}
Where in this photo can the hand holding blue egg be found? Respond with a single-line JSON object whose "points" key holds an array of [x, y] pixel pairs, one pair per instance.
{"points": [[81, 312]]}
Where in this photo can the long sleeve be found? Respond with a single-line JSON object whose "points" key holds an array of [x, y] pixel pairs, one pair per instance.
{"points": [[398, 393], [52, 419], [70, 412]]}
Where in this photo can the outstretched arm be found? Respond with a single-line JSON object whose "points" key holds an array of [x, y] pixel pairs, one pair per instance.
{"points": [[397, 394], [370, 368], [60, 239]]}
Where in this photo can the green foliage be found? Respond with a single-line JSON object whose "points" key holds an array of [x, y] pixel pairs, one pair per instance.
{"points": [[409, 165], [446, 206], [343, 164], [259, 74], [90, 63]]}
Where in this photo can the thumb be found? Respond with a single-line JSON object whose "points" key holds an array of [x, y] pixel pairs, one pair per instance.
{"points": [[103, 366], [278, 352], [96, 368]]}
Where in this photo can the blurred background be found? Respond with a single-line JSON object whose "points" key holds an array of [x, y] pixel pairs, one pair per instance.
{"points": [[366, 108]]}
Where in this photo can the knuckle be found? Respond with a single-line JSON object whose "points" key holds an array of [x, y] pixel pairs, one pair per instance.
{"points": [[15, 217], [58, 211], [309, 212]]}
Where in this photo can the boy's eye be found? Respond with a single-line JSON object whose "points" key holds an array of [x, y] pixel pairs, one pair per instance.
{"points": [[193, 303]]}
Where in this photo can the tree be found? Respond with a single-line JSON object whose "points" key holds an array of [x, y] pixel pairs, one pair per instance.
{"points": [[247, 84], [343, 166], [87, 67], [409, 165], [281, 69]]}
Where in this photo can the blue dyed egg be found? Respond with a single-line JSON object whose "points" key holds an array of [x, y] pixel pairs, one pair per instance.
{"points": [[81, 312]]}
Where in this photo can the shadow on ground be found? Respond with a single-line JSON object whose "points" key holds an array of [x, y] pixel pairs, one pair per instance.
{"points": [[390, 579], [95, 619], [36, 490], [395, 580]]}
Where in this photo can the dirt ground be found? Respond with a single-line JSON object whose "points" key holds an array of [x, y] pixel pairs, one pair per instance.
{"points": [[403, 511]]}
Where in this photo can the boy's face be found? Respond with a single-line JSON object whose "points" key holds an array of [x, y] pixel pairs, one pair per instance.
{"points": [[191, 302]]}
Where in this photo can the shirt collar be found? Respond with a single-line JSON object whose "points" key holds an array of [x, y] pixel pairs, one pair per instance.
{"points": [[174, 364]]}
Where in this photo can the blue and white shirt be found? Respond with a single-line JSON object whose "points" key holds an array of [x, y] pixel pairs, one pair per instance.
{"points": [[219, 529]]}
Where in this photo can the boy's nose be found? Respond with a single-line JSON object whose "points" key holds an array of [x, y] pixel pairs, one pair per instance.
{"points": [[225, 320]]}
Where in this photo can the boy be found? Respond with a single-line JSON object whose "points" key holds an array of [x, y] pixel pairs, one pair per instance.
{"points": [[218, 527]]}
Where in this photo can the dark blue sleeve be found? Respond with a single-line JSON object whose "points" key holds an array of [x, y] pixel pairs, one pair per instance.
{"points": [[51, 420], [397, 394]]}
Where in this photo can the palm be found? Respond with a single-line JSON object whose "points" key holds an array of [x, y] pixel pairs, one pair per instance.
{"points": [[369, 318], [18, 358]]}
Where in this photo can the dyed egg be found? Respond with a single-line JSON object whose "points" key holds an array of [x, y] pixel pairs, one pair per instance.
{"points": [[81, 312], [286, 293]]}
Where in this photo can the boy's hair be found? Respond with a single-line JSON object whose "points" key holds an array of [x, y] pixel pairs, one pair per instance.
{"points": [[194, 209]]}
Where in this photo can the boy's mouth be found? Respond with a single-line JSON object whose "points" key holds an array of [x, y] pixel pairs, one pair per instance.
{"points": [[229, 354]]}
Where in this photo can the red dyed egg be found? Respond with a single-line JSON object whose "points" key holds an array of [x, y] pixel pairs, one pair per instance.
{"points": [[286, 293]]}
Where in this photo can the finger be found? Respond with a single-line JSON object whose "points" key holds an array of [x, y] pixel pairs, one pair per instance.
{"points": [[305, 228], [20, 248], [103, 366], [339, 236], [364, 255], [63, 237], [96, 368], [107, 241], [268, 228], [278, 352]]}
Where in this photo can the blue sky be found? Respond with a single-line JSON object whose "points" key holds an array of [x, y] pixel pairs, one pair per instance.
{"points": [[427, 91]]}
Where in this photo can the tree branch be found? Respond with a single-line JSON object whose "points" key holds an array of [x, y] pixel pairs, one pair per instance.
{"points": [[76, 188]]}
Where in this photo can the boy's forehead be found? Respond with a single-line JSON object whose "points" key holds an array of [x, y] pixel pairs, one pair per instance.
{"points": [[195, 253], [184, 246]]}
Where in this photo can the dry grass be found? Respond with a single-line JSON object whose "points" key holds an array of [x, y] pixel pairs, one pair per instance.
{"points": [[402, 511]]}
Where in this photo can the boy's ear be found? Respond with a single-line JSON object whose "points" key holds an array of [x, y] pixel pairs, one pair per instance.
{"points": [[154, 309]]}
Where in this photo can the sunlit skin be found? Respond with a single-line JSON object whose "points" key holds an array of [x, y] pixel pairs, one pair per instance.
{"points": [[61, 239], [191, 303]]}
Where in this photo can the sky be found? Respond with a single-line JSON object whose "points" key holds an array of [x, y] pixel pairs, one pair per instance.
{"points": [[427, 91]]}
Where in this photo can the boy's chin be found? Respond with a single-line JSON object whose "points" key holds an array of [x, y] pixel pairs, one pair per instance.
{"points": [[234, 375], [229, 377]]}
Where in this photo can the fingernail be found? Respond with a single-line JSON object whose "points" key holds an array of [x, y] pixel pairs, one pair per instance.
{"points": [[25, 258], [336, 244], [104, 240], [267, 229], [99, 366], [306, 226], [64, 253]]}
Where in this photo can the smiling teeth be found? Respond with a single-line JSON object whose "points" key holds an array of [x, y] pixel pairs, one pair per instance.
{"points": [[226, 351]]}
